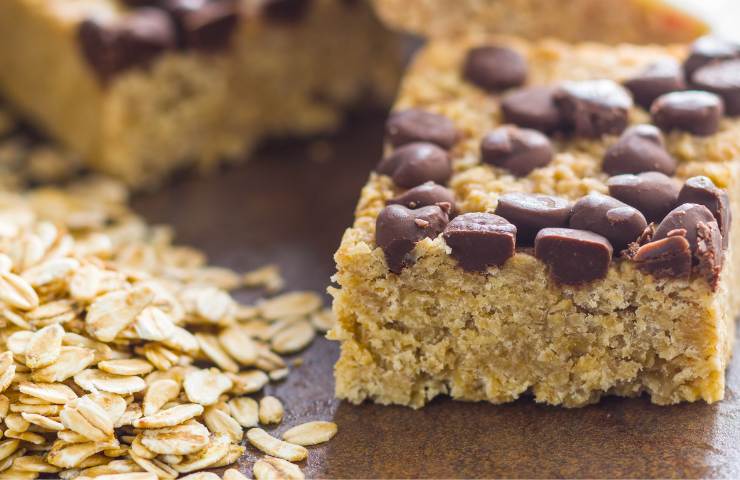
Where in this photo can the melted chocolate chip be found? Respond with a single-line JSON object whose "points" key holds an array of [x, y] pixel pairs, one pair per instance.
{"points": [[480, 240], [709, 252], [574, 256], [286, 11], [607, 216], [640, 149], [495, 68], [398, 229], [593, 108], [531, 212], [685, 218], [667, 257], [416, 163], [416, 125], [701, 190], [204, 24], [652, 193], [707, 50], [532, 107], [133, 41], [518, 150], [722, 78], [658, 78], [691, 111], [426, 194]]}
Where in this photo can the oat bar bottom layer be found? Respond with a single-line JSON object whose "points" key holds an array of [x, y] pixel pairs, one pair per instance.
{"points": [[438, 329]]}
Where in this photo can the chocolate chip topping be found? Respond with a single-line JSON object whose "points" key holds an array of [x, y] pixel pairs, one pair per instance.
{"points": [[286, 11], [480, 240], [701, 190], [709, 252], [518, 150], [640, 149], [495, 68], [532, 107], [686, 218], [204, 24], [667, 257], [426, 194], [722, 78], [658, 78], [607, 216], [592, 108], [692, 111], [132, 41], [398, 229], [709, 49], [574, 256], [652, 193], [416, 125], [416, 163], [531, 212]]}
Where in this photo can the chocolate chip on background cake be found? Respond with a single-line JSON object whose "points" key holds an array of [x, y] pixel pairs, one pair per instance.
{"points": [[495, 68], [620, 223], [686, 217], [398, 229], [204, 24], [518, 150], [722, 78], [417, 125], [703, 191], [591, 108], [667, 257], [426, 194], [574, 256], [658, 78], [134, 40], [652, 193], [286, 11], [532, 107], [691, 111], [531, 212], [709, 49], [480, 240], [416, 163], [640, 148]]}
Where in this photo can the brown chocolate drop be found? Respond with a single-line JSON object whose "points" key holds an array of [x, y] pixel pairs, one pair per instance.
{"points": [[640, 149], [691, 111], [574, 256], [703, 191], [686, 217], [426, 194], [722, 78], [667, 257], [709, 49], [206, 25], [607, 216], [532, 107], [417, 163], [416, 125], [286, 11], [495, 68], [480, 240], [531, 212], [709, 252], [592, 108], [652, 193], [518, 150], [658, 78]]}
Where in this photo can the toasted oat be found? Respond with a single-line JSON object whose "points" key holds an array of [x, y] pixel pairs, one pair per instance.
{"points": [[110, 314], [184, 439], [205, 386], [44, 347], [158, 393], [323, 320], [270, 445], [210, 345], [217, 448], [126, 366], [271, 468], [93, 379], [87, 418], [154, 324], [219, 421], [293, 338], [267, 277], [71, 361], [128, 476], [236, 342], [43, 422], [234, 474], [49, 392], [311, 433], [290, 304], [7, 370], [245, 410], [271, 410], [251, 381], [70, 456], [17, 292], [170, 417], [201, 476], [34, 463]]}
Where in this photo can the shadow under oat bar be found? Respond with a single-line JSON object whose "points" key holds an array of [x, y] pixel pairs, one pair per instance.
{"points": [[550, 220], [141, 88]]}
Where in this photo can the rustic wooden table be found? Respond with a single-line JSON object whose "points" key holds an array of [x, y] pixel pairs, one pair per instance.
{"points": [[285, 208]]}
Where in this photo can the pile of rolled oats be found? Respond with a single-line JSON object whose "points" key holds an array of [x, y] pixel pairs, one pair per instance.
{"points": [[123, 356]]}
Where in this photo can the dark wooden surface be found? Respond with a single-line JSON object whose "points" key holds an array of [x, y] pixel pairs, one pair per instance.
{"points": [[285, 208]]}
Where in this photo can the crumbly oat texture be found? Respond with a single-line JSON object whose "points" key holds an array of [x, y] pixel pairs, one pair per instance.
{"points": [[277, 77], [436, 328], [610, 21]]}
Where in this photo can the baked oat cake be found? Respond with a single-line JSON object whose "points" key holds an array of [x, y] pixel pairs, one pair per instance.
{"points": [[550, 220]]}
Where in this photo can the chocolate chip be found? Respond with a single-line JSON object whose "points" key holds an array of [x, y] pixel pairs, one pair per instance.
{"points": [[709, 252], [416, 163], [658, 78], [667, 257], [416, 125], [592, 108], [132, 41], [518, 150], [480, 240], [426, 194], [640, 149], [686, 217], [204, 24], [702, 190], [709, 49], [607, 216], [286, 11], [722, 78], [692, 111], [532, 107], [398, 229], [652, 193], [495, 68], [531, 212], [574, 256]]}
